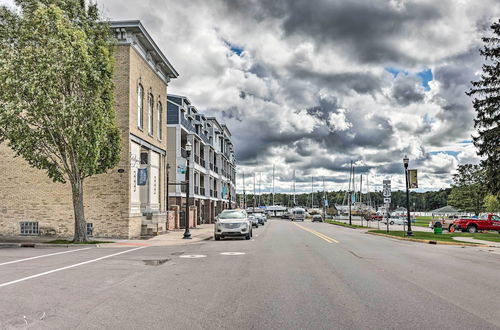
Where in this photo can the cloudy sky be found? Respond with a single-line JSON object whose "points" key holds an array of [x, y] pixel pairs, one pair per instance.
{"points": [[312, 85]]}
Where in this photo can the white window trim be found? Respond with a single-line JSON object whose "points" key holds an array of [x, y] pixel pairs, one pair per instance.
{"points": [[140, 106], [150, 114], [160, 121]]}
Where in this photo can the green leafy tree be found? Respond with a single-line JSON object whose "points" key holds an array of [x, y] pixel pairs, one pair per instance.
{"points": [[468, 190], [56, 95], [492, 204], [486, 102]]}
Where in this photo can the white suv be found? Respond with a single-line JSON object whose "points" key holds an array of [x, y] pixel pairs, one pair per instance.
{"points": [[231, 223]]}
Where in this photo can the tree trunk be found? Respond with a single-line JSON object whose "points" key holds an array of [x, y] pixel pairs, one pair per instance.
{"points": [[80, 223]]}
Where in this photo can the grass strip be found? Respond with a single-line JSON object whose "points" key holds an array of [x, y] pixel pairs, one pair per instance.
{"points": [[487, 236], [343, 224]]}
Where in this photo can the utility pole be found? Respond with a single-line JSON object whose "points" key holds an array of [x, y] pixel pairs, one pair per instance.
{"points": [[294, 188], [324, 200], [350, 193], [361, 196], [253, 204], [273, 185], [244, 193], [312, 192], [260, 180]]}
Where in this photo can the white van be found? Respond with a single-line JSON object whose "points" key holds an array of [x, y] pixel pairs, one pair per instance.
{"points": [[297, 214]]}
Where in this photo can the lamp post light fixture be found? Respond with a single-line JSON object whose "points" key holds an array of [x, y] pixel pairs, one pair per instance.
{"points": [[187, 234], [406, 161]]}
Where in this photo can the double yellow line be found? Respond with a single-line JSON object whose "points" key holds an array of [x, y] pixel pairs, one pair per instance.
{"points": [[320, 235]]}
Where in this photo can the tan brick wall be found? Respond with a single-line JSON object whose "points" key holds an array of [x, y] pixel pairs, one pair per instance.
{"points": [[27, 194]]}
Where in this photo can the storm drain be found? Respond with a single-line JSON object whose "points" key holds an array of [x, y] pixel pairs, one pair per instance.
{"points": [[156, 262]]}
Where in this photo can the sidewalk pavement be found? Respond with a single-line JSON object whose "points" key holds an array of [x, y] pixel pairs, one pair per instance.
{"points": [[172, 237], [480, 241]]}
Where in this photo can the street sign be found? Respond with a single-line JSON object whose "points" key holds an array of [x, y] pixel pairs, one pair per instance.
{"points": [[412, 178], [181, 169], [387, 200], [386, 188]]}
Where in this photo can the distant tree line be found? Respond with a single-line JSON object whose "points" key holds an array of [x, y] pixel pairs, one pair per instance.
{"points": [[419, 201]]}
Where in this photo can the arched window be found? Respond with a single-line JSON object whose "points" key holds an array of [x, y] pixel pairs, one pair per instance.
{"points": [[140, 106], [160, 122], [150, 114]]}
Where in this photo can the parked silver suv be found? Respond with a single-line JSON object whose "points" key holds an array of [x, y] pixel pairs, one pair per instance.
{"points": [[232, 223]]}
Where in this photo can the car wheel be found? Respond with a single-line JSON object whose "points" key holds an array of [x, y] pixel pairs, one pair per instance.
{"points": [[472, 229], [391, 223], [217, 237], [247, 236]]}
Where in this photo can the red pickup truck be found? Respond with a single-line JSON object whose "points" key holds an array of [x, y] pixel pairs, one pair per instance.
{"points": [[483, 222]]}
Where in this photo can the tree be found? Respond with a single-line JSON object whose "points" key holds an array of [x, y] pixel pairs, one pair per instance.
{"points": [[491, 204], [56, 99], [487, 106], [468, 190]]}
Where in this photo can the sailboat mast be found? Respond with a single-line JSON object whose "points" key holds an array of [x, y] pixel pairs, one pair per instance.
{"points": [[260, 180], [244, 193], [312, 191], [361, 189], [294, 188], [253, 204], [350, 194]]}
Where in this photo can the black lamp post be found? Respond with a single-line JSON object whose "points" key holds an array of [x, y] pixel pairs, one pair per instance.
{"points": [[405, 162], [187, 234]]}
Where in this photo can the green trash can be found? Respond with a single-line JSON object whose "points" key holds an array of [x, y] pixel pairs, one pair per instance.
{"points": [[438, 228]]}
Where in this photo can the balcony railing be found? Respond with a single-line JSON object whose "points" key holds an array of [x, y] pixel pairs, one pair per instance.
{"points": [[211, 193], [216, 193], [183, 188], [202, 191], [197, 190], [203, 163]]}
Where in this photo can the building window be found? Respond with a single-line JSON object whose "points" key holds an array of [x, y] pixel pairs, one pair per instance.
{"points": [[150, 114], [160, 114], [29, 228], [140, 106], [90, 229]]}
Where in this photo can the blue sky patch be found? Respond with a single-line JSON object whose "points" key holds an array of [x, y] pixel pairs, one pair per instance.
{"points": [[465, 141], [235, 49], [426, 75], [448, 152]]}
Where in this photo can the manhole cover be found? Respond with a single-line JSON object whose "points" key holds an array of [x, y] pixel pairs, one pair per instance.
{"points": [[193, 256], [156, 262], [232, 253]]}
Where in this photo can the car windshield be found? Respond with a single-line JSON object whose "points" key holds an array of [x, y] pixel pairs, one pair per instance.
{"points": [[232, 215]]}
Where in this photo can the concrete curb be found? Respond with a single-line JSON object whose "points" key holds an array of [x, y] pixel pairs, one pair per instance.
{"points": [[426, 240], [43, 245], [336, 224]]}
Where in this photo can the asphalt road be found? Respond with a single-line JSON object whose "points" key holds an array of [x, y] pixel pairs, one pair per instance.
{"points": [[290, 276]]}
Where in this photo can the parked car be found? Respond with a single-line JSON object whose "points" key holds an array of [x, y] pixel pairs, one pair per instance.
{"points": [[297, 214], [483, 222], [444, 223], [253, 219], [285, 215], [261, 218], [317, 217], [232, 223], [396, 221], [373, 217]]}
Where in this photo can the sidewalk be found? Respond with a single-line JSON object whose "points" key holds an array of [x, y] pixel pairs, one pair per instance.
{"points": [[473, 240], [173, 237]]}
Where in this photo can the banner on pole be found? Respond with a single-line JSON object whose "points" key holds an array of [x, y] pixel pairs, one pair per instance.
{"points": [[142, 176], [412, 178]]}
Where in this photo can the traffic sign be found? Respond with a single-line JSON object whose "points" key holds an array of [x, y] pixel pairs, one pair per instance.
{"points": [[387, 200]]}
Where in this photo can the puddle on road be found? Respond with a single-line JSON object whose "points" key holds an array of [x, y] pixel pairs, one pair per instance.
{"points": [[156, 262]]}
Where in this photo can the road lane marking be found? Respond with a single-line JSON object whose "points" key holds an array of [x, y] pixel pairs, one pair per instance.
{"points": [[232, 253], [42, 256], [193, 256], [318, 234], [68, 267]]}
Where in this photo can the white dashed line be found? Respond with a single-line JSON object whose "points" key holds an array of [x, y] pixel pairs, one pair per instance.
{"points": [[193, 256], [232, 253]]}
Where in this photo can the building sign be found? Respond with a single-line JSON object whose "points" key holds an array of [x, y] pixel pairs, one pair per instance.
{"points": [[181, 169], [412, 178], [142, 176], [224, 191]]}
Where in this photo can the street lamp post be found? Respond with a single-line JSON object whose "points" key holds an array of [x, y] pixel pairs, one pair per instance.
{"points": [[187, 234], [405, 162]]}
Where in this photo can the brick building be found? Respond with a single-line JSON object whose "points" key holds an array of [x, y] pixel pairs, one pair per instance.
{"points": [[212, 161], [130, 198]]}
